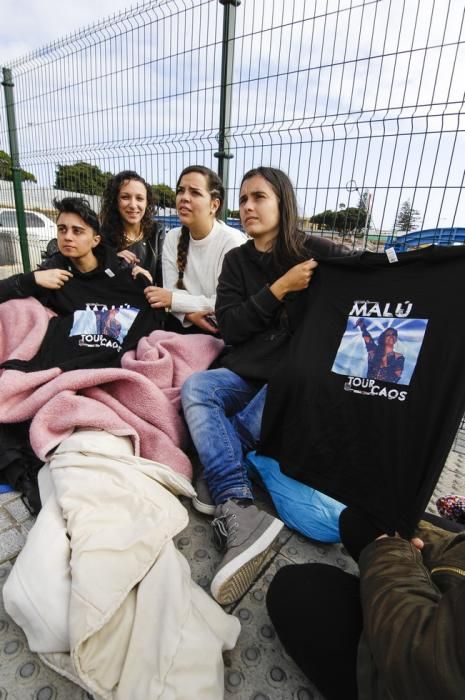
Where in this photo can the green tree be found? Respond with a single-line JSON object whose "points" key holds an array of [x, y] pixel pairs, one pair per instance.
{"points": [[353, 219], [6, 172], [407, 217], [165, 197], [326, 219], [81, 177]]}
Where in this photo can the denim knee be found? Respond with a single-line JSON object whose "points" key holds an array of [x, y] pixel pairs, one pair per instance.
{"points": [[194, 387]]}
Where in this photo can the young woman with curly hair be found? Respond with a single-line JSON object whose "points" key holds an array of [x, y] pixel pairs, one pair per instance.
{"points": [[128, 222], [193, 254]]}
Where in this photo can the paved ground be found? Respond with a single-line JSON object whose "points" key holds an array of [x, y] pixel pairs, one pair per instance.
{"points": [[257, 669]]}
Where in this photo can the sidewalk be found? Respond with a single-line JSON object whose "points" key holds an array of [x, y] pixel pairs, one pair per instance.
{"points": [[257, 669]]}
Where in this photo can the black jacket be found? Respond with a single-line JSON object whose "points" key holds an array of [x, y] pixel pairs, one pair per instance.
{"points": [[250, 318], [148, 251]]}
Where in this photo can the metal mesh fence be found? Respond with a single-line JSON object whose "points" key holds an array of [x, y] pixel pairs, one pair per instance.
{"points": [[360, 101]]}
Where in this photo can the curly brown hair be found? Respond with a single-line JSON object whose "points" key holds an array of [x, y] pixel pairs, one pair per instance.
{"points": [[216, 190], [111, 222]]}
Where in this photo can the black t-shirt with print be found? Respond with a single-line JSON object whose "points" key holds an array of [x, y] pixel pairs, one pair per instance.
{"points": [[101, 314], [368, 402]]}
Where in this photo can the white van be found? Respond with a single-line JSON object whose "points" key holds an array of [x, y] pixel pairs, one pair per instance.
{"points": [[40, 230]]}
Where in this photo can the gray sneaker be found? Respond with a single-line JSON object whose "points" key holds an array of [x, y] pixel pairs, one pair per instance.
{"points": [[203, 502], [248, 533]]}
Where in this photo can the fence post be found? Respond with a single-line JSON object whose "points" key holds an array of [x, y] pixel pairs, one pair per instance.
{"points": [[15, 167], [227, 64]]}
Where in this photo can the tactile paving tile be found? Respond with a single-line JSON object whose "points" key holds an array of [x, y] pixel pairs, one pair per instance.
{"points": [[11, 543], [22, 674], [18, 510], [258, 667], [6, 521], [451, 481]]}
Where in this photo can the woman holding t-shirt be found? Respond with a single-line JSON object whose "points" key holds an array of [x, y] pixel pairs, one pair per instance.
{"points": [[258, 306], [193, 254]]}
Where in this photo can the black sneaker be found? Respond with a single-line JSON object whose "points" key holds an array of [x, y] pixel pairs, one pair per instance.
{"points": [[248, 534]]}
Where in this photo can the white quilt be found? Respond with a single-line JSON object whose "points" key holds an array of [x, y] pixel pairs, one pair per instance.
{"points": [[100, 590]]}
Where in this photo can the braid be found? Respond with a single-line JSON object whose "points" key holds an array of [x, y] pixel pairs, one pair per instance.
{"points": [[181, 260]]}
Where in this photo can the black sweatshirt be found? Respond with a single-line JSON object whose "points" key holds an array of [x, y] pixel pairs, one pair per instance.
{"points": [[251, 319], [101, 314], [374, 442]]}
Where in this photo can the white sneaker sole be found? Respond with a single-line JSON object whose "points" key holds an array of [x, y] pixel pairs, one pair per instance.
{"points": [[205, 508], [236, 577]]}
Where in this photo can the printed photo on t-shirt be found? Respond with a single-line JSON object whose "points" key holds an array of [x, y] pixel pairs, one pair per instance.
{"points": [[100, 320], [383, 349]]}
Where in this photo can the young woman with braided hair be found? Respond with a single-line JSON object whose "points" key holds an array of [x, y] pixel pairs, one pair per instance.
{"points": [[193, 254]]}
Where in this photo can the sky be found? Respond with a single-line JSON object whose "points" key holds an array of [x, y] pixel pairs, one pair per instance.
{"points": [[365, 93], [34, 23]]}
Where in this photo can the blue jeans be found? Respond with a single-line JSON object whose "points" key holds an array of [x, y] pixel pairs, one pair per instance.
{"points": [[224, 415]]}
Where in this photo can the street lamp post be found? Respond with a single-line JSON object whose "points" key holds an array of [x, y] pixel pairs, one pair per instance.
{"points": [[351, 186]]}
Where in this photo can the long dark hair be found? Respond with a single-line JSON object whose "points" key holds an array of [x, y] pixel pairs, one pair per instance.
{"points": [[380, 347], [289, 245], [111, 221], [216, 190]]}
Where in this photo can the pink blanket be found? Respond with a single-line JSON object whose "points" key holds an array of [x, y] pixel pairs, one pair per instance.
{"points": [[141, 399]]}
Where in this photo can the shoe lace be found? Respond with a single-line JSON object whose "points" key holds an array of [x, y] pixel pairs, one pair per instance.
{"points": [[224, 528]]}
